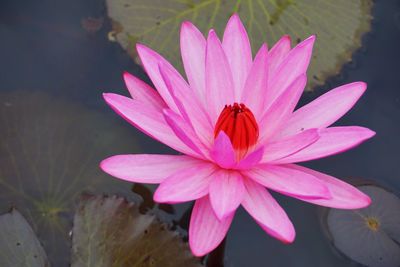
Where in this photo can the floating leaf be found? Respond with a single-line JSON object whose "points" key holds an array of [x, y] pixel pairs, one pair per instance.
{"points": [[339, 25], [50, 151], [109, 231], [18, 243], [370, 236]]}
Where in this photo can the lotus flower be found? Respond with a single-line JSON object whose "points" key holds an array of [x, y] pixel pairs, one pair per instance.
{"points": [[234, 121]]}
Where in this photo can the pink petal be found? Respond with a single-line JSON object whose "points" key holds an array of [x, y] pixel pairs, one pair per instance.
{"points": [[292, 66], [281, 109], [184, 132], [251, 159], [143, 92], [343, 195], [276, 150], [188, 105], [237, 48], [206, 231], [219, 83], [186, 185], [288, 181], [223, 153], [226, 192], [259, 203], [326, 109], [332, 141], [174, 83], [193, 50], [150, 60], [149, 169], [256, 83], [148, 119], [277, 54]]}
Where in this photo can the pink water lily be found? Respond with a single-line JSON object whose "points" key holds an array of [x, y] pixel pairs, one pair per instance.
{"points": [[234, 121]]}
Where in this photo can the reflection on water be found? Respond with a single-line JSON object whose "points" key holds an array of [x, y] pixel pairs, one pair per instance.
{"points": [[54, 127]]}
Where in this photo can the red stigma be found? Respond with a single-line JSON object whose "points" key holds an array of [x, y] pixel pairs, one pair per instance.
{"points": [[238, 122]]}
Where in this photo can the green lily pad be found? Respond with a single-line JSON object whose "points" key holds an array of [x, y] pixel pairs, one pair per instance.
{"points": [[109, 231], [339, 25], [370, 236], [18, 243], [50, 149]]}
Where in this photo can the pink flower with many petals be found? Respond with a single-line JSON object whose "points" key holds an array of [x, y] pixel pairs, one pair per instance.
{"points": [[236, 124]]}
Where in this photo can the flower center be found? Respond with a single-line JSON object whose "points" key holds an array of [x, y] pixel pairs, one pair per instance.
{"points": [[372, 223], [238, 122]]}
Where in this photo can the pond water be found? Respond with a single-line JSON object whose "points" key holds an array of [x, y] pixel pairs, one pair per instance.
{"points": [[55, 127]]}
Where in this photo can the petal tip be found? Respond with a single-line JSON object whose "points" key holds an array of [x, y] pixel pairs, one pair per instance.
{"points": [[284, 40], [187, 25], [235, 18], [291, 237], [142, 50], [103, 165], [286, 37], [358, 87], [158, 196], [368, 201], [223, 215], [107, 165], [212, 36], [264, 48], [367, 133], [127, 77], [288, 241], [309, 42], [111, 98], [287, 238], [140, 47], [371, 133], [196, 251], [312, 38], [363, 85], [107, 96], [235, 15], [361, 201]]}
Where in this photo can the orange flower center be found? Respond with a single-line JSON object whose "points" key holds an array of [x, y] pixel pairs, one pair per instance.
{"points": [[238, 122]]}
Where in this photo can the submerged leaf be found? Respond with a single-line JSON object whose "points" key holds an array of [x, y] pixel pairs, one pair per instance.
{"points": [[370, 236], [50, 149], [109, 231], [18, 243], [339, 25]]}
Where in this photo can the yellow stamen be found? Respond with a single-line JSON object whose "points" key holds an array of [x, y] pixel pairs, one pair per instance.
{"points": [[372, 223]]}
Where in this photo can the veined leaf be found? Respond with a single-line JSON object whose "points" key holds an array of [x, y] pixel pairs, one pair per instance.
{"points": [[338, 24], [50, 149], [18, 243], [370, 236], [111, 232]]}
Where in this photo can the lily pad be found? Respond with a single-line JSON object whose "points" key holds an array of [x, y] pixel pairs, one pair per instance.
{"points": [[339, 25], [109, 231], [370, 236], [18, 243], [50, 149]]}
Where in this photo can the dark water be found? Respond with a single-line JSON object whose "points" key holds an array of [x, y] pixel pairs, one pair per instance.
{"points": [[47, 59]]}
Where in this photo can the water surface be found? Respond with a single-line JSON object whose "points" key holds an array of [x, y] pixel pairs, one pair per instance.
{"points": [[48, 58]]}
